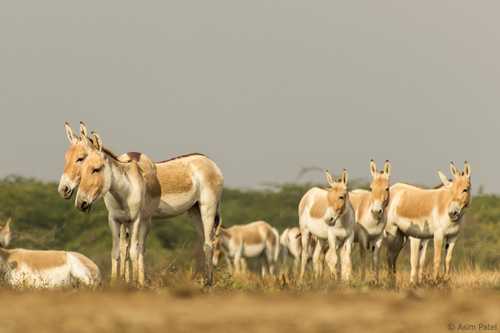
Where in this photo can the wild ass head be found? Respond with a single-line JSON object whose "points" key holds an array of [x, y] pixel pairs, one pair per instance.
{"points": [[217, 245], [5, 234], [459, 190], [336, 197], [73, 159], [379, 187], [95, 175]]}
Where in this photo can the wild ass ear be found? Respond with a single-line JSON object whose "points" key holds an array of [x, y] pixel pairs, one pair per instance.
{"points": [[373, 168], [96, 141], [84, 135], [329, 178], [72, 138], [453, 169], [466, 169], [5, 234], [387, 168], [83, 129], [443, 178], [345, 177]]}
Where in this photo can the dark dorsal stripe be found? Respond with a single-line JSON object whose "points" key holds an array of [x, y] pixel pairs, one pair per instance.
{"points": [[179, 157]]}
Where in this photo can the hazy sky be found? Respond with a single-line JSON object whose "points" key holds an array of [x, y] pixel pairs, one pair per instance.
{"points": [[262, 87]]}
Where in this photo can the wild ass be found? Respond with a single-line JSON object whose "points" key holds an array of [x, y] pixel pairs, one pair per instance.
{"points": [[328, 214], [369, 207], [22, 268], [291, 244], [135, 189], [422, 214], [252, 240]]}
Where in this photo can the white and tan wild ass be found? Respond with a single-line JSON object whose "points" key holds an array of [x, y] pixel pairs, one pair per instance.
{"points": [[135, 189], [424, 214], [253, 240], [328, 214], [22, 268], [291, 245], [369, 207]]}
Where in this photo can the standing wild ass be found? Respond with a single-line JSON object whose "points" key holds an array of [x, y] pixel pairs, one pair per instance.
{"points": [[291, 244], [328, 214], [422, 214], [252, 240], [135, 189], [44, 269], [369, 208]]}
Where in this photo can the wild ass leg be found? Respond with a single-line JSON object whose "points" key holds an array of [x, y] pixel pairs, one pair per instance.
{"points": [[316, 260], [115, 251], [394, 245], [421, 264], [331, 255], [271, 256], [364, 246], [346, 258], [438, 244], [376, 256], [124, 257], [305, 235], [138, 238], [414, 258], [209, 213], [450, 245]]}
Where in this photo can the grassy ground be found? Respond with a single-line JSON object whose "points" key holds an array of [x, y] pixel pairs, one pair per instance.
{"points": [[175, 302]]}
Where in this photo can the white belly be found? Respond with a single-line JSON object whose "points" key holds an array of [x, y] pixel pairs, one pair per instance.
{"points": [[253, 250], [175, 204]]}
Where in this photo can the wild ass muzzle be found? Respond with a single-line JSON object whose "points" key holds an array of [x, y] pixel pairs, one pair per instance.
{"points": [[22, 268], [424, 214], [253, 240], [328, 215], [369, 208], [135, 189]]}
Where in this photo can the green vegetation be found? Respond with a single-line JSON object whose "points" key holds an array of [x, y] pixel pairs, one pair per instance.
{"points": [[43, 220]]}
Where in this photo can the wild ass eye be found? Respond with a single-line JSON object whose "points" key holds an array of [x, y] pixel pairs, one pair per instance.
{"points": [[96, 170], [341, 197], [387, 189], [80, 159], [466, 190]]}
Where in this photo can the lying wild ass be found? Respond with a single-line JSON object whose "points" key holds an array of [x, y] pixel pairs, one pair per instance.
{"points": [[424, 214], [135, 189], [252, 240], [328, 214], [369, 207], [44, 269], [291, 244]]}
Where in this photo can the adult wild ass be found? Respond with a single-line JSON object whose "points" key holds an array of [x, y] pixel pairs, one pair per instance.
{"points": [[291, 244], [369, 207], [328, 214], [44, 269], [253, 240], [135, 189], [424, 214]]}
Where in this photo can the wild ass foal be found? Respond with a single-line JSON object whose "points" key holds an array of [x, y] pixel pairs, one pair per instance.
{"points": [[291, 245], [328, 214], [135, 189], [252, 240], [369, 208], [424, 214], [44, 269]]}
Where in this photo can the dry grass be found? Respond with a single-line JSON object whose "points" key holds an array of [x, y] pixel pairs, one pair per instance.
{"points": [[176, 302]]}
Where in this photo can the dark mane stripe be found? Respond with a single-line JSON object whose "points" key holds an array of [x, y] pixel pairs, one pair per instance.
{"points": [[135, 156], [180, 156]]}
